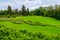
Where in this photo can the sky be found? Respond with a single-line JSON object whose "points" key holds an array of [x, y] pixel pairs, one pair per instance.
{"points": [[31, 4]]}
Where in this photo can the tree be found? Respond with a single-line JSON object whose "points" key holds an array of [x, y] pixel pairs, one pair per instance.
{"points": [[16, 12], [23, 11], [42, 11], [27, 11], [19, 13], [57, 11], [10, 10], [50, 11]]}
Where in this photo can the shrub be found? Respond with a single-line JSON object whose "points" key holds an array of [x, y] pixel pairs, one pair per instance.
{"points": [[57, 37], [23, 31], [40, 35], [10, 34]]}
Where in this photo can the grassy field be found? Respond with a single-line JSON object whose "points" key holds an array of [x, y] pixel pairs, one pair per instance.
{"points": [[47, 26]]}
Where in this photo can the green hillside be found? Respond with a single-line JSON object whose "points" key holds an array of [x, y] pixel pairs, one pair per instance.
{"points": [[48, 26]]}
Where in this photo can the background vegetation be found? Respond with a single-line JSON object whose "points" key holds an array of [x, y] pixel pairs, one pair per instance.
{"points": [[50, 11], [39, 24], [29, 28]]}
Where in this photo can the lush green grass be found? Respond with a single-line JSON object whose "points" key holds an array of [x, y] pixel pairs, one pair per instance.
{"points": [[11, 34], [46, 30], [45, 20]]}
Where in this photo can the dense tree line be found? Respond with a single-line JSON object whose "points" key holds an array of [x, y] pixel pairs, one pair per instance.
{"points": [[50, 11], [9, 12]]}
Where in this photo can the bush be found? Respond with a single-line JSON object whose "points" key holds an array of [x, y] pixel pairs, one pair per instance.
{"points": [[57, 37], [10, 34], [40, 35], [23, 31]]}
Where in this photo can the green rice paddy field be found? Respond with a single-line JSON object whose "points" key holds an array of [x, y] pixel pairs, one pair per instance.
{"points": [[48, 26]]}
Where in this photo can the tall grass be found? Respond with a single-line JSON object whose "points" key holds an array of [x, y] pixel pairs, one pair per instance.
{"points": [[11, 34]]}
